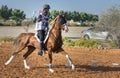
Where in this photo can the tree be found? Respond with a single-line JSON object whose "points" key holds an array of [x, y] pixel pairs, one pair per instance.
{"points": [[83, 16], [110, 20], [76, 16], [111, 17], [69, 15], [14, 14], [5, 12], [53, 14], [17, 15], [95, 18], [91, 17]]}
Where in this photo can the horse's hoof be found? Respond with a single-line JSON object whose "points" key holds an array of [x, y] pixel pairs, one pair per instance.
{"points": [[70, 66], [73, 66], [27, 67], [51, 70], [6, 63], [67, 65]]}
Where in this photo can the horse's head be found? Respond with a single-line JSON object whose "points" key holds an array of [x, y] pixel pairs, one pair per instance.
{"points": [[60, 23]]}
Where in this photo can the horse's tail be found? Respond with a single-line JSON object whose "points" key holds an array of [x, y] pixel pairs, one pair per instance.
{"points": [[20, 39]]}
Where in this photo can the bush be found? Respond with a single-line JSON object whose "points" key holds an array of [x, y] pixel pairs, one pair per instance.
{"points": [[87, 43], [10, 23], [112, 43], [82, 42], [67, 42], [1, 24], [7, 39]]}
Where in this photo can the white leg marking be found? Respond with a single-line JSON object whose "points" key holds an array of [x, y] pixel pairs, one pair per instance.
{"points": [[9, 60], [51, 70], [68, 58], [50, 67], [71, 64], [25, 65]]}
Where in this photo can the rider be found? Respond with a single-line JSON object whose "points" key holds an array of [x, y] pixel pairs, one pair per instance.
{"points": [[42, 26]]}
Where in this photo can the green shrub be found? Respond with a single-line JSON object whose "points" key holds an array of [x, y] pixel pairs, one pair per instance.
{"points": [[7, 39], [82, 42], [112, 43], [67, 42], [87, 43]]}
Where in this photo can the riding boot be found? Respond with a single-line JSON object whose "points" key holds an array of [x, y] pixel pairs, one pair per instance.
{"points": [[40, 51]]}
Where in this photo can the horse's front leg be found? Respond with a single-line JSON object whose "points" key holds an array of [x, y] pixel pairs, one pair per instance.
{"points": [[50, 60], [50, 64], [69, 60]]}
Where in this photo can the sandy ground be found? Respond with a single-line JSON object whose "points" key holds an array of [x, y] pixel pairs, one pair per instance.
{"points": [[82, 57]]}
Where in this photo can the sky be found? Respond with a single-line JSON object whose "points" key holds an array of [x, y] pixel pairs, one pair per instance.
{"points": [[88, 6]]}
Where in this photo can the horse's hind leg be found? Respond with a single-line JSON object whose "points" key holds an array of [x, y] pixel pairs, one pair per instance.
{"points": [[10, 59], [30, 50], [69, 60], [17, 50]]}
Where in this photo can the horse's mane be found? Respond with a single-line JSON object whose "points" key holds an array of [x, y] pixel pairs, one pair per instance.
{"points": [[52, 23], [58, 40]]}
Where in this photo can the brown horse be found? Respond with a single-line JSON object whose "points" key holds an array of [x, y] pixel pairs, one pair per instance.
{"points": [[53, 44]]}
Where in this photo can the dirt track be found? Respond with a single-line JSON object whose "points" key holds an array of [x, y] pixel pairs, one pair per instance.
{"points": [[81, 57]]}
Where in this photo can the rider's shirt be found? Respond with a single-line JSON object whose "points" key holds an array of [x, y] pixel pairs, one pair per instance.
{"points": [[43, 24]]}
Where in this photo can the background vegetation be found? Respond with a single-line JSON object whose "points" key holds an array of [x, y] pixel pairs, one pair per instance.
{"points": [[109, 19], [16, 16], [7, 39], [89, 43], [66, 42], [9, 16], [80, 17]]}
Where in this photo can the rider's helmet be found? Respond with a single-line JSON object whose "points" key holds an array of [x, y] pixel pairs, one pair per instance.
{"points": [[46, 6]]}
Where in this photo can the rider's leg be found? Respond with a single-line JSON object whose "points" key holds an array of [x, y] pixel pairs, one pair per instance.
{"points": [[40, 50], [41, 34]]}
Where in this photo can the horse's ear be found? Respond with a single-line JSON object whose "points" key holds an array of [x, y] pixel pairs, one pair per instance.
{"points": [[56, 18]]}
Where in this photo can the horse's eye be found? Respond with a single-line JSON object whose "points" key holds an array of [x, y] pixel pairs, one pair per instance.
{"points": [[61, 22]]}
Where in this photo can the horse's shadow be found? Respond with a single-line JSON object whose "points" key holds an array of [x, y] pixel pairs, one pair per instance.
{"points": [[55, 66], [85, 68], [99, 68]]}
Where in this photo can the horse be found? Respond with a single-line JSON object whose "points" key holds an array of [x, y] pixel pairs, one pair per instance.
{"points": [[53, 44]]}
